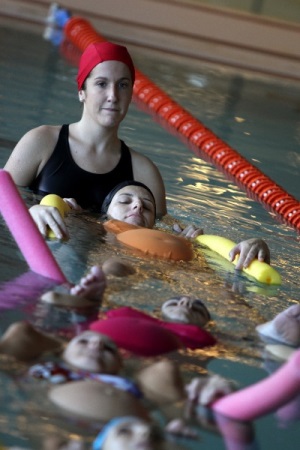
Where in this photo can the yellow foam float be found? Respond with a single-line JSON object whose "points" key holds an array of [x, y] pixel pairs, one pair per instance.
{"points": [[261, 271], [57, 202]]}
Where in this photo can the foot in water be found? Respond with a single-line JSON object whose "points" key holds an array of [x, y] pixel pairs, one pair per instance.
{"points": [[92, 286], [88, 292], [90, 289]]}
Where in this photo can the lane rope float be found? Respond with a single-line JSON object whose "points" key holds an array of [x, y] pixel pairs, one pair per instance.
{"points": [[261, 271], [202, 141]]}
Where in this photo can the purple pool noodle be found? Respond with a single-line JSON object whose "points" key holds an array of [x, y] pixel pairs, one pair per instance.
{"points": [[25, 232], [265, 396]]}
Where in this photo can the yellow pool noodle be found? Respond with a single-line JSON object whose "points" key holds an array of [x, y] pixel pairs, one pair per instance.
{"points": [[57, 201], [261, 271]]}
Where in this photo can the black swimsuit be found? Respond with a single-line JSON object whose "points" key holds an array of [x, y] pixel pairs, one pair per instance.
{"points": [[63, 177]]}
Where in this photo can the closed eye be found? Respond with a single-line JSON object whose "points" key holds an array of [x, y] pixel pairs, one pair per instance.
{"points": [[82, 341], [172, 303]]}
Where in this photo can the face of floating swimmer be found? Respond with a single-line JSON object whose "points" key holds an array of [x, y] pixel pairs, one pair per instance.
{"points": [[185, 310], [131, 202], [93, 352], [128, 433], [105, 81]]}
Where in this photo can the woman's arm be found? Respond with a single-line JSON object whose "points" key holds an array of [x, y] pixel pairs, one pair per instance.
{"points": [[31, 154]]}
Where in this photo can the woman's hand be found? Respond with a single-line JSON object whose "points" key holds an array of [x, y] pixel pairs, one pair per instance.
{"points": [[47, 217], [249, 250], [189, 231]]}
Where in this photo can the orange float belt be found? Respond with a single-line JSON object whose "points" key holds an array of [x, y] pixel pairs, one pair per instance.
{"points": [[154, 243]]}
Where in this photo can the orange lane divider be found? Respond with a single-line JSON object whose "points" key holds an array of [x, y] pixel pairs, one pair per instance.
{"points": [[200, 139]]}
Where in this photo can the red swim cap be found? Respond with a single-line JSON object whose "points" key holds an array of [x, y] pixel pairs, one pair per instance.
{"points": [[99, 52]]}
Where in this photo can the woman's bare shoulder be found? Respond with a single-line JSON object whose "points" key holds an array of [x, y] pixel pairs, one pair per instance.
{"points": [[31, 153], [46, 133], [141, 161]]}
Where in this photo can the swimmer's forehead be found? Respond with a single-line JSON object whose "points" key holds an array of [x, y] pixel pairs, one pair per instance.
{"points": [[89, 334], [107, 70], [131, 421], [176, 299], [135, 191]]}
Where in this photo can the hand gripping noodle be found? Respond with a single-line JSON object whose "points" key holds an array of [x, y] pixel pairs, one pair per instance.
{"points": [[261, 271], [25, 232]]}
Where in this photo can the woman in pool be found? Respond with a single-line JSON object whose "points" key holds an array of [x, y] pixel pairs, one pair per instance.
{"points": [[133, 202], [86, 159]]}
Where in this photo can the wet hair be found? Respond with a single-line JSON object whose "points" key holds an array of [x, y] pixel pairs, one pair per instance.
{"points": [[108, 199]]}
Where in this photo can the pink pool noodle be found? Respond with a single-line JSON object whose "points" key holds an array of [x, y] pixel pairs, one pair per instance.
{"points": [[265, 396], [25, 232]]}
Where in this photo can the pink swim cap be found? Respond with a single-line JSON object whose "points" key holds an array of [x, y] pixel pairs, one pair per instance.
{"points": [[99, 52]]}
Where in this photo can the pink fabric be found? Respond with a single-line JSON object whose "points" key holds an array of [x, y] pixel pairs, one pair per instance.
{"points": [[25, 232], [139, 336], [191, 336], [145, 335]]}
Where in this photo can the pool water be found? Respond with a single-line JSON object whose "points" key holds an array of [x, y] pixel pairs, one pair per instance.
{"points": [[259, 117]]}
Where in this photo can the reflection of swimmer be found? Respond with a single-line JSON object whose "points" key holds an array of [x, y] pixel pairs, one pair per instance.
{"points": [[25, 343], [126, 433], [93, 352], [284, 328], [94, 356], [185, 310]]}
